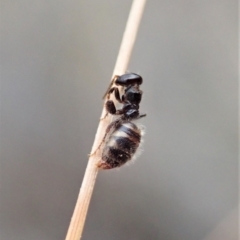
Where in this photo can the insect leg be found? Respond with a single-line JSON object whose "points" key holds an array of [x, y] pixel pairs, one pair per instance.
{"points": [[110, 108], [112, 125], [110, 85], [141, 116], [109, 105]]}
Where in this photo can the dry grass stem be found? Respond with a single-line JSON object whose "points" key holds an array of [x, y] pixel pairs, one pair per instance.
{"points": [[80, 212]]}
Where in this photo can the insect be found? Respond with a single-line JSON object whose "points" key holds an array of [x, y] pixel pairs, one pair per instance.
{"points": [[122, 137]]}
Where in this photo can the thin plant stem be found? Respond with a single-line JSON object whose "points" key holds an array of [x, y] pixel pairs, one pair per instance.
{"points": [[80, 212]]}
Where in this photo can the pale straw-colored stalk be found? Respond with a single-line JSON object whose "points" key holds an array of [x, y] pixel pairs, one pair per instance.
{"points": [[80, 212]]}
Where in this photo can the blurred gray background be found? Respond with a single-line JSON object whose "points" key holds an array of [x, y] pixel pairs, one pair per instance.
{"points": [[57, 58]]}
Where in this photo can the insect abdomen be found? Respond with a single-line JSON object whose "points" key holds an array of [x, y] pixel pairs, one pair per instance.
{"points": [[121, 146]]}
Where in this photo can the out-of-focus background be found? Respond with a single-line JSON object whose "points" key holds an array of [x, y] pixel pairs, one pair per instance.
{"points": [[57, 59]]}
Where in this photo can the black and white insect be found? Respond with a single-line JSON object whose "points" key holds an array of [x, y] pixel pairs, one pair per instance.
{"points": [[122, 137]]}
